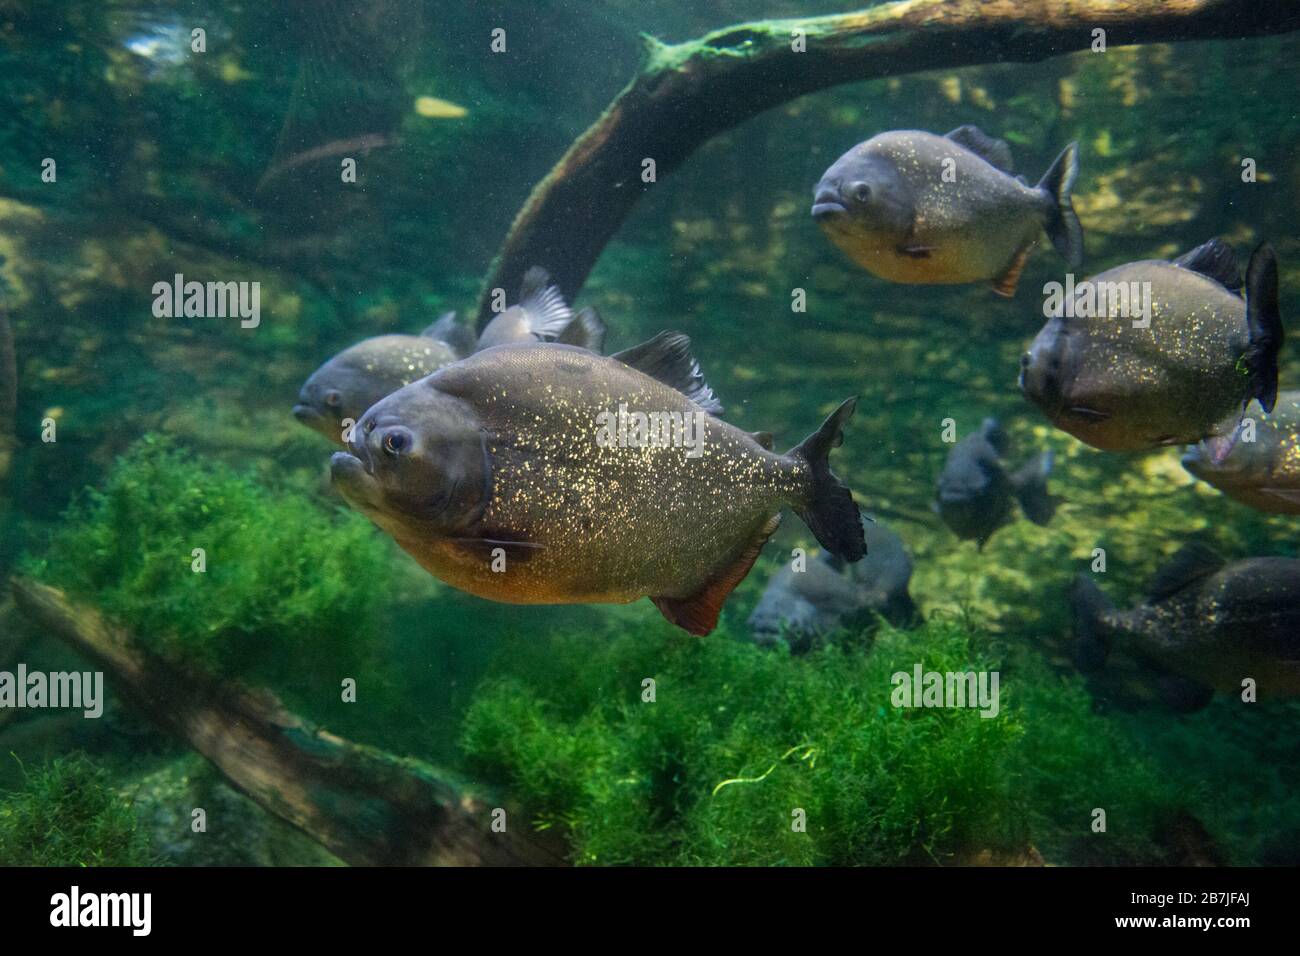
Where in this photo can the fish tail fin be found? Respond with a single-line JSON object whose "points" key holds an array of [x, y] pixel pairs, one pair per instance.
{"points": [[1264, 319], [1092, 630], [1062, 223], [1031, 488], [829, 510]]}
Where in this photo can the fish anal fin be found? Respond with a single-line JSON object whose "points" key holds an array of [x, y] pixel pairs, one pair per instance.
{"points": [[1192, 562], [1005, 284], [698, 614]]}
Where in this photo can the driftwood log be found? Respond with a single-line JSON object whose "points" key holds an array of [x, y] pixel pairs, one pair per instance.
{"points": [[366, 806], [687, 93]]}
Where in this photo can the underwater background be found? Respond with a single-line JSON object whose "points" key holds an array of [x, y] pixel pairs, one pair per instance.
{"points": [[175, 431]]}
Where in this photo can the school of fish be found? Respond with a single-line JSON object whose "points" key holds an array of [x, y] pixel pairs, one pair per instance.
{"points": [[523, 466]]}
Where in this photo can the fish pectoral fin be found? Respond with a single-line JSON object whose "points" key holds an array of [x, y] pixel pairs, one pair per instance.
{"points": [[915, 251], [1005, 284], [1088, 414], [698, 614], [515, 547]]}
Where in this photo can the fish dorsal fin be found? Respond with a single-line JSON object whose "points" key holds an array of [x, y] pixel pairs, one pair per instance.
{"points": [[764, 439], [698, 614], [995, 435], [1214, 260], [586, 330], [667, 357], [1192, 562], [995, 152], [548, 314], [447, 329]]}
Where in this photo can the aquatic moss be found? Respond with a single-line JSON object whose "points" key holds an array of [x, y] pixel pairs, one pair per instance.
{"points": [[286, 579], [739, 737], [69, 814], [737, 740], [1071, 762]]}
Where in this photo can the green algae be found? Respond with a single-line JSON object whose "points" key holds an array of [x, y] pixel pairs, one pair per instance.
{"points": [[285, 579], [69, 814], [738, 739]]}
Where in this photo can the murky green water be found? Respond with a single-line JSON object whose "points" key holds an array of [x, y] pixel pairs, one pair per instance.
{"points": [[226, 164]]}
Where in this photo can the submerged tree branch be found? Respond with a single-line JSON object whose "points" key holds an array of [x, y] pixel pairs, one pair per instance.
{"points": [[687, 93], [366, 806]]}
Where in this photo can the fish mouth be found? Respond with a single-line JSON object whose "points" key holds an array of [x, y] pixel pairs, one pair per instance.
{"points": [[354, 481], [828, 207], [347, 466], [306, 414]]}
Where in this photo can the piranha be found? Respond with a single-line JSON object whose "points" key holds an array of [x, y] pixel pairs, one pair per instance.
{"points": [[802, 606], [337, 393], [1206, 620], [1181, 373], [1263, 469], [501, 476], [975, 492], [910, 206]]}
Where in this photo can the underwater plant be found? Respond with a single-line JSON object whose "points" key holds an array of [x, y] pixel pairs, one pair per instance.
{"points": [[738, 739], [69, 814], [204, 564]]}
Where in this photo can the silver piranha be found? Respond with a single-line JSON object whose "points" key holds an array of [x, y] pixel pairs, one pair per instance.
{"points": [[496, 474], [975, 492], [1263, 469], [910, 206], [804, 606], [1213, 623], [1180, 373], [338, 393]]}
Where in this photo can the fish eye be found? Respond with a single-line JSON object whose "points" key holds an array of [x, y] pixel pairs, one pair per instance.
{"points": [[333, 399], [860, 192], [397, 441]]}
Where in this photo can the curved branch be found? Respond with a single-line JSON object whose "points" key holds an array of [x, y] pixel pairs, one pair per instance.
{"points": [[687, 93]]}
